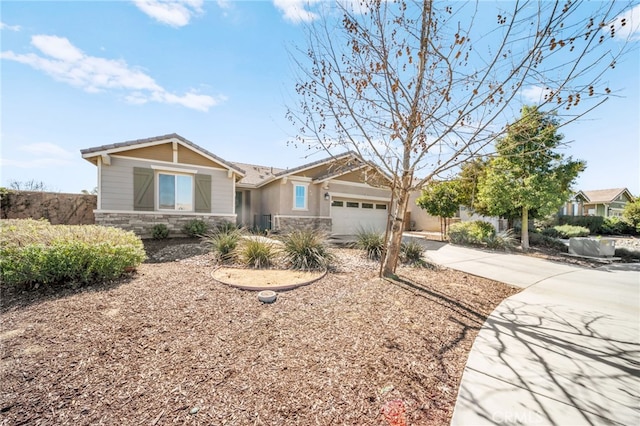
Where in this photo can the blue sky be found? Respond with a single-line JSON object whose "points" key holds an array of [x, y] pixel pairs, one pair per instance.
{"points": [[80, 74]]}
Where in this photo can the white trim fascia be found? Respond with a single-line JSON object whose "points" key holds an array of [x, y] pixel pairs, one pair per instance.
{"points": [[358, 184], [159, 142], [131, 147], [173, 169], [147, 160], [358, 197], [99, 198], [289, 216], [165, 212]]}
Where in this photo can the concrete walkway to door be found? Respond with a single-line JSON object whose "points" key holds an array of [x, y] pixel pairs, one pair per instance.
{"points": [[565, 350]]}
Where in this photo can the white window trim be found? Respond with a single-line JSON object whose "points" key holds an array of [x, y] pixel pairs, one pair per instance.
{"points": [[177, 170], [305, 185], [157, 190]]}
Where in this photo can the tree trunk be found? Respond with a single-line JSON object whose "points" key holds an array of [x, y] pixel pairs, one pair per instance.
{"points": [[392, 252], [525, 229]]}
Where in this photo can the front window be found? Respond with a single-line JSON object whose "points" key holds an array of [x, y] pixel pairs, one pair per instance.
{"points": [[300, 197], [175, 192]]}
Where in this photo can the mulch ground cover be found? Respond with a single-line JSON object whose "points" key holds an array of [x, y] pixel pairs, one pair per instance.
{"points": [[169, 345]]}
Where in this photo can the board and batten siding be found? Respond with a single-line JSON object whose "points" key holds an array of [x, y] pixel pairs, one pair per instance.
{"points": [[117, 189]]}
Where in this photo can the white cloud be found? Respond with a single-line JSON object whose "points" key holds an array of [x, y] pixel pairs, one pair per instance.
{"points": [[176, 13], [65, 62], [4, 26], [224, 4], [46, 149], [534, 94], [42, 155], [631, 29], [297, 11]]}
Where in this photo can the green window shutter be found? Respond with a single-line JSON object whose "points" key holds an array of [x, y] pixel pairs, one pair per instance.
{"points": [[143, 189], [203, 193]]}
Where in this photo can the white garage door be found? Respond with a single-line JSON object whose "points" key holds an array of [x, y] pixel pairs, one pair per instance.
{"points": [[349, 216]]}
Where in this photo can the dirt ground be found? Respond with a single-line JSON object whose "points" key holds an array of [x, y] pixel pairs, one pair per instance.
{"points": [[171, 345]]}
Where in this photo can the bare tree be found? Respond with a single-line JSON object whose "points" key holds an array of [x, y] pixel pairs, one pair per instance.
{"points": [[418, 88], [30, 185]]}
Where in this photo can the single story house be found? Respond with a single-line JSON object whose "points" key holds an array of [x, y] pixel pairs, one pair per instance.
{"points": [[171, 180], [601, 202]]}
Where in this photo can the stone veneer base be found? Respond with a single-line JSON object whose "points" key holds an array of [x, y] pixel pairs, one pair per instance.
{"points": [[142, 223]]}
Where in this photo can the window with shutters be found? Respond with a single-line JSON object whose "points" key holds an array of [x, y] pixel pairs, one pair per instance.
{"points": [[175, 192]]}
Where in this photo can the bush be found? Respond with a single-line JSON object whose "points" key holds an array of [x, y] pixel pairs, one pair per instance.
{"points": [[627, 255], [223, 241], [372, 242], [474, 233], [411, 252], [540, 240], [195, 228], [594, 223], [616, 226], [306, 250], [502, 240], [567, 231], [257, 254], [35, 252], [160, 231]]}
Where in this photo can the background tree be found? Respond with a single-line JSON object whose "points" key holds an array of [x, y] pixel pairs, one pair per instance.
{"points": [[528, 178], [441, 199], [631, 213], [30, 185], [420, 87]]}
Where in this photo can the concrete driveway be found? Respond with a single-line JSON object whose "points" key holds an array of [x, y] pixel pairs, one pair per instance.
{"points": [[565, 350]]}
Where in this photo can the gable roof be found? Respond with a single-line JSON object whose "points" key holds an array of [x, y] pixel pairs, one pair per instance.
{"points": [[605, 195], [256, 175], [156, 140]]}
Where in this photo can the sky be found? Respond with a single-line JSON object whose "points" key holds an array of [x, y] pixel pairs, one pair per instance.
{"points": [[80, 74]]}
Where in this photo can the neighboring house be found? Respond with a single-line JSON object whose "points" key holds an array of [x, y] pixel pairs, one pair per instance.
{"points": [[170, 180], [602, 202]]}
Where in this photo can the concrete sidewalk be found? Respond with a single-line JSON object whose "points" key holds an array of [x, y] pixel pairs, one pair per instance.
{"points": [[565, 350]]}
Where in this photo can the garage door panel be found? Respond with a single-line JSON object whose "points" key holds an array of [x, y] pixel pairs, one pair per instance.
{"points": [[351, 215]]}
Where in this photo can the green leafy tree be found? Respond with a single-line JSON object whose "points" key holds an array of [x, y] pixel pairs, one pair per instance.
{"points": [[419, 87], [441, 199], [468, 179], [528, 178], [631, 213]]}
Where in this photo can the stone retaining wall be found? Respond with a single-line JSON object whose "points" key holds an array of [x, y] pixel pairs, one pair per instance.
{"points": [[57, 208], [287, 224], [142, 224]]}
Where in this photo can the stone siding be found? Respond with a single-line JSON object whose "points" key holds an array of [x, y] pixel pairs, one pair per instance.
{"points": [[57, 208], [142, 224], [287, 224]]}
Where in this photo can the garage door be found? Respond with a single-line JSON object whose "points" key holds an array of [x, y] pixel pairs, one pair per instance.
{"points": [[348, 216]]}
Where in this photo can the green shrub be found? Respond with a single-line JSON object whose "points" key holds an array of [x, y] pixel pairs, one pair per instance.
{"points": [[411, 252], [160, 231], [502, 240], [306, 250], [594, 223], [475, 232], [372, 242], [195, 228], [257, 254], [540, 240], [223, 241], [567, 231], [36, 252], [628, 255], [616, 226]]}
